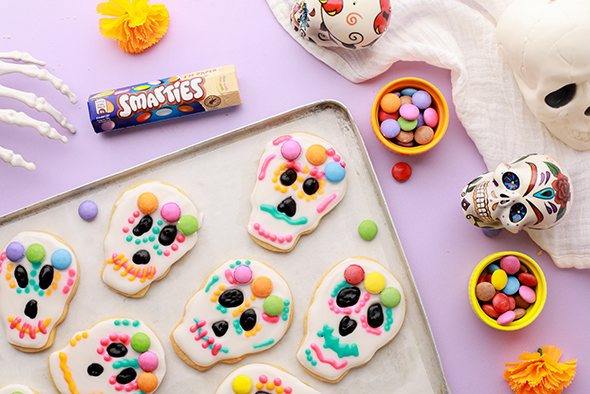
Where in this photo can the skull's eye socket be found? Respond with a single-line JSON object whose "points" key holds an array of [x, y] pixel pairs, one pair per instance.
{"points": [[510, 181], [248, 319], [348, 296], [95, 370], [167, 235], [117, 350], [517, 212], [143, 226], [561, 97], [45, 276], [231, 298], [311, 186], [288, 177], [375, 315], [126, 376], [21, 276]]}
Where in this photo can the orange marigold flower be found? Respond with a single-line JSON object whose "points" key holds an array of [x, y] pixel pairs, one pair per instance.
{"points": [[540, 372], [134, 23]]}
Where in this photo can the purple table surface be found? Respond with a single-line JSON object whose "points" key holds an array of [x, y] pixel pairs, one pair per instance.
{"points": [[275, 75]]}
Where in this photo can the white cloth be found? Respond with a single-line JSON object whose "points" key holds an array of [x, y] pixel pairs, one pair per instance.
{"points": [[459, 35]]}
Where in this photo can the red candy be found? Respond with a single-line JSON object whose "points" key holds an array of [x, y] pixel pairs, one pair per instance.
{"points": [[401, 171], [501, 303], [490, 311], [527, 279], [354, 274]]}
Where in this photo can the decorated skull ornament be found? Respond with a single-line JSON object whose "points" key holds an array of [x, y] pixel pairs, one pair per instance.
{"points": [[38, 278], [358, 307], [546, 45], [351, 24], [16, 389], [262, 378], [533, 192], [300, 178], [243, 307], [115, 355]]}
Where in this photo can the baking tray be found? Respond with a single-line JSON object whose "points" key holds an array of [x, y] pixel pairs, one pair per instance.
{"points": [[218, 175]]}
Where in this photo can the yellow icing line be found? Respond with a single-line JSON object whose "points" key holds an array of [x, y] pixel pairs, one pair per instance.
{"points": [[67, 374], [18, 326], [127, 269], [152, 272], [144, 274]]}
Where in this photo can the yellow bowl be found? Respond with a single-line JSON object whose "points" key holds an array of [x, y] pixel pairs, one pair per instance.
{"points": [[532, 311], [438, 103]]}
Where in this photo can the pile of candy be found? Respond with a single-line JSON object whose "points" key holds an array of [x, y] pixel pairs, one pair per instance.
{"points": [[506, 290], [407, 118]]}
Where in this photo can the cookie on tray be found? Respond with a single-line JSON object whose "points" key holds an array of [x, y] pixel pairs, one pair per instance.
{"points": [[243, 307], [357, 308], [300, 178], [152, 225], [38, 278], [262, 378], [17, 389], [114, 355]]}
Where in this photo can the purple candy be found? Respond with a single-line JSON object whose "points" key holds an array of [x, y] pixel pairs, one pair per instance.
{"points": [[390, 128], [491, 232], [15, 251], [421, 99], [409, 111], [88, 210], [406, 144], [420, 120]]}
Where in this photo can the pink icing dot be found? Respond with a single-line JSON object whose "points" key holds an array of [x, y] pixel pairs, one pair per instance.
{"points": [[99, 350], [131, 220], [112, 380], [114, 255], [72, 273], [170, 212], [263, 379], [113, 337], [266, 234], [125, 229], [136, 214], [3, 256], [288, 390], [118, 387], [289, 238], [104, 341], [337, 158], [242, 274], [256, 226], [281, 239], [129, 387], [174, 247], [180, 238], [277, 381], [273, 237], [124, 338], [107, 358], [148, 361], [65, 290], [70, 282], [291, 150], [166, 253]]}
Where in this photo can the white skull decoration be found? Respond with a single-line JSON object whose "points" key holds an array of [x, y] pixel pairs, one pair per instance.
{"points": [[115, 355], [545, 43], [16, 389], [358, 307], [533, 191], [262, 379], [351, 24], [39, 278], [300, 179]]}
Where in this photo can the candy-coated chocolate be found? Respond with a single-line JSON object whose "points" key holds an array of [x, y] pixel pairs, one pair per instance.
{"points": [[506, 318], [527, 294], [291, 149], [421, 99], [390, 128], [520, 303], [492, 267], [482, 278], [512, 302], [170, 212], [87, 210], [510, 264], [512, 286], [401, 171], [523, 268], [354, 274], [430, 117], [408, 92], [409, 111], [423, 135], [405, 136], [390, 103], [499, 279], [386, 115], [407, 124], [519, 312], [527, 279], [490, 311], [501, 302], [405, 100], [485, 291], [367, 229], [15, 251]]}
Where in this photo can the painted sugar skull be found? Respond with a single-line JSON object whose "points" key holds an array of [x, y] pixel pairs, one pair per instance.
{"points": [[300, 179], [115, 355], [358, 307], [243, 307], [546, 45], [152, 226], [533, 192], [351, 24], [262, 378], [16, 389], [38, 278]]}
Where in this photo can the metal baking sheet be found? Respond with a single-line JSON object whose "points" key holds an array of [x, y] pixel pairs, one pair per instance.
{"points": [[218, 175]]}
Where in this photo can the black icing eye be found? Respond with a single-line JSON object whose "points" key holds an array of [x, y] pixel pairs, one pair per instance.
{"points": [[348, 296], [31, 309], [561, 97], [220, 328], [248, 319], [117, 350], [517, 212], [95, 370], [167, 235], [231, 298], [143, 226], [510, 181], [21, 276], [141, 257], [288, 177], [375, 315], [347, 326], [45, 276], [311, 186], [126, 376]]}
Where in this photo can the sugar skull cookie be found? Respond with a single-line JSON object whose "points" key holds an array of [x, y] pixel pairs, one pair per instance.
{"points": [[114, 355], [263, 378], [16, 389], [300, 178], [357, 308], [243, 307], [38, 279], [152, 226]]}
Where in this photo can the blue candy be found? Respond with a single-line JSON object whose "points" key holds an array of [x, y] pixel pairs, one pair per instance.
{"points": [[512, 286], [61, 259], [334, 172]]}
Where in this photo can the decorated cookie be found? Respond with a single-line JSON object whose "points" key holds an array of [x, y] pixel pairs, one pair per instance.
{"points": [[263, 378], [17, 389], [38, 279], [114, 355], [300, 178], [357, 308], [152, 226], [243, 307]]}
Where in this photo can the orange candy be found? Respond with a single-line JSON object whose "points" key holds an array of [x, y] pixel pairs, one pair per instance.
{"points": [[316, 155], [261, 287], [147, 382], [147, 203], [390, 103]]}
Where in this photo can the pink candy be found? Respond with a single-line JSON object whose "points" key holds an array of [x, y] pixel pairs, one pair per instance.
{"points": [[291, 150], [170, 212], [430, 117], [409, 111], [527, 294], [148, 361], [242, 274], [510, 264]]}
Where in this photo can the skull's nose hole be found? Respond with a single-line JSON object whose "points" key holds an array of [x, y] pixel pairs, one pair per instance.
{"points": [[141, 257], [31, 309], [346, 326], [587, 112], [288, 206], [220, 328], [94, 370]]}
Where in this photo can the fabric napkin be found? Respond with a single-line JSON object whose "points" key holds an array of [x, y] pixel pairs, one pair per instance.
{"points": [[459, 35]]}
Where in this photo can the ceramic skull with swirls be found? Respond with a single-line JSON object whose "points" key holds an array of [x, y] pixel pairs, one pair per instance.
{"points": [[39, 275], [116, 355], [300, 178], [533, 192], [351, 24]]}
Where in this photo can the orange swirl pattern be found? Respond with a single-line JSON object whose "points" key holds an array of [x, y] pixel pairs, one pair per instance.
{"points": [[351, 18]]}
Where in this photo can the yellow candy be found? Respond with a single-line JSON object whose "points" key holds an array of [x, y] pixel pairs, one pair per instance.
{"points": [[374, 283], [242, 384], [147, 202], [499, 279]]}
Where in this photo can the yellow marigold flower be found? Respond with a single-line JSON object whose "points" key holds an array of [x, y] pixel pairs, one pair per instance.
{"points": [[134, 23], [540, 372]]}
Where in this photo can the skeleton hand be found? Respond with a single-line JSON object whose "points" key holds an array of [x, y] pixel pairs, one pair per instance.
{"points": [[39, 103]]}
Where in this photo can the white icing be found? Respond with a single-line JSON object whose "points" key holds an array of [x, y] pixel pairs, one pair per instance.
{"points": [[204, 306], [116, 240], [21, 119], [16, 389], [86, 352], [254, 371], [51, 303], [14, 159], [320, 314], [281, 234], [21, 57]]}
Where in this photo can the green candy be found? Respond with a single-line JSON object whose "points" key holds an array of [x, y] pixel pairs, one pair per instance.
{"points": [[407, 125], [140, 342], [273, 305], [188, 224], [35, 253], [367, 229], [390, 297]]}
